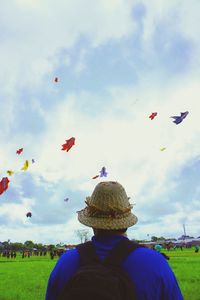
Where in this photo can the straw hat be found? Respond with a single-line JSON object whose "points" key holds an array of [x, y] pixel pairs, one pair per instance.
{"points": [[108, 208]]}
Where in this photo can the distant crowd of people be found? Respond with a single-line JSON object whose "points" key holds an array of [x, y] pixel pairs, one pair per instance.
{"points": [[8, 254], [28, 253], [54, 253], [59, 252], [159, 247], [35, 253]]}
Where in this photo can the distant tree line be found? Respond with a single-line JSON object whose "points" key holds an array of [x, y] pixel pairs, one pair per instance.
{"points": [[28, 245], [82, 234]]}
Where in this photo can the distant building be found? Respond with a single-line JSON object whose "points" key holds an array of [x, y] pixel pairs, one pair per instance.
{"points": [[184, 237]]}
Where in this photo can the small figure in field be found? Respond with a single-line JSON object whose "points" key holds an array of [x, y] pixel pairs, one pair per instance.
{"points": [[158, 248], [196, 247], [52, 254]]}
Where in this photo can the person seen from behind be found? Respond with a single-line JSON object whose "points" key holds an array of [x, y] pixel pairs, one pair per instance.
{"points": [[158, 248], [196, 247], [110, 266]]}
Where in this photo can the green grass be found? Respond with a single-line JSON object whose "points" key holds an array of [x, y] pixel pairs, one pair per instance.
{"points": [[22, 279], [186, 266], [26, 278]]}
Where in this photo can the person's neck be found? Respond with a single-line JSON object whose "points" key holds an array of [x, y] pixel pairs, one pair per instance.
{"points": [[108, 233]]}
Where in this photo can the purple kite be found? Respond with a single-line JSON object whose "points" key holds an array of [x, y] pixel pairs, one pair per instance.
{"points": [[103, 172], [29, 214], [179, 119]]}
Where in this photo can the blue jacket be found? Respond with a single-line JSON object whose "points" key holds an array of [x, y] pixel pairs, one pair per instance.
{"points": [[148, 270]]}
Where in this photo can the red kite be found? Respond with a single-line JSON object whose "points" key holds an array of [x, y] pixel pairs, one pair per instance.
{"points": [[19, 151], [4, 184], [153, 115], [69, 143]]}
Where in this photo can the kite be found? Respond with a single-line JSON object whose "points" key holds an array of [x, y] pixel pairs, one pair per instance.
{"points": [[4, 184], [162, 149], [33, 161], [69, 143], [153, 115], [29, 214], [179, 119], [95, 177], [10, 172], [25, 166], [56, 79], [19, 151], [66, 199], [103, 172]]}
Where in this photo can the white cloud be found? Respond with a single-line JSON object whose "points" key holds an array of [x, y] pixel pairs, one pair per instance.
{"points": [[17, 212], [37, 30]]}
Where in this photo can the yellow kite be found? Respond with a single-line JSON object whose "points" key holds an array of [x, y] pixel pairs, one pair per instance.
{"points": [[10, 172], [25, 166]]}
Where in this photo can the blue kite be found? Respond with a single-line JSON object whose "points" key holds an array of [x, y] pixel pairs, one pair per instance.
{"points": [[179, 119]]}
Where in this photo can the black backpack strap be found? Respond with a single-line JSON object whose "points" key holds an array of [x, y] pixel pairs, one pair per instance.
{"points": [[115, 257], [120, 252], [87, 254]]}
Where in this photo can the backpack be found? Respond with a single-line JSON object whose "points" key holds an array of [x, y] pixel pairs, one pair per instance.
{"points": [[101, 280]]}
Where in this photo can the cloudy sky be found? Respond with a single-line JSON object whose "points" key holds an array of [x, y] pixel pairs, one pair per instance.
{"points": [[117, 61]]}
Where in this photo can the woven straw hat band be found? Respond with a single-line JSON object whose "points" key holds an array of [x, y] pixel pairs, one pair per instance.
{"points": [[107, 208]]}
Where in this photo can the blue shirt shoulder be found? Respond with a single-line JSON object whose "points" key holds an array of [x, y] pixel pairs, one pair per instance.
{"points": [[65, 268], [152, 276], [148, 270]]}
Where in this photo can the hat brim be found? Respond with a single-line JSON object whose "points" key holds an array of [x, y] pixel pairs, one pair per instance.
{"points": [[107, 223]]}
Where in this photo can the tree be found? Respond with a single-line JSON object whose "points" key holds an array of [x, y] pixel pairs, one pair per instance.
{"points": [[29, 244], [16, 246], [82, 234], [38, 246], [51, 247]]}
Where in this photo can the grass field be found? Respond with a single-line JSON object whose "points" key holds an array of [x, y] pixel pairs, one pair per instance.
{"points": [[22, 279]]}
